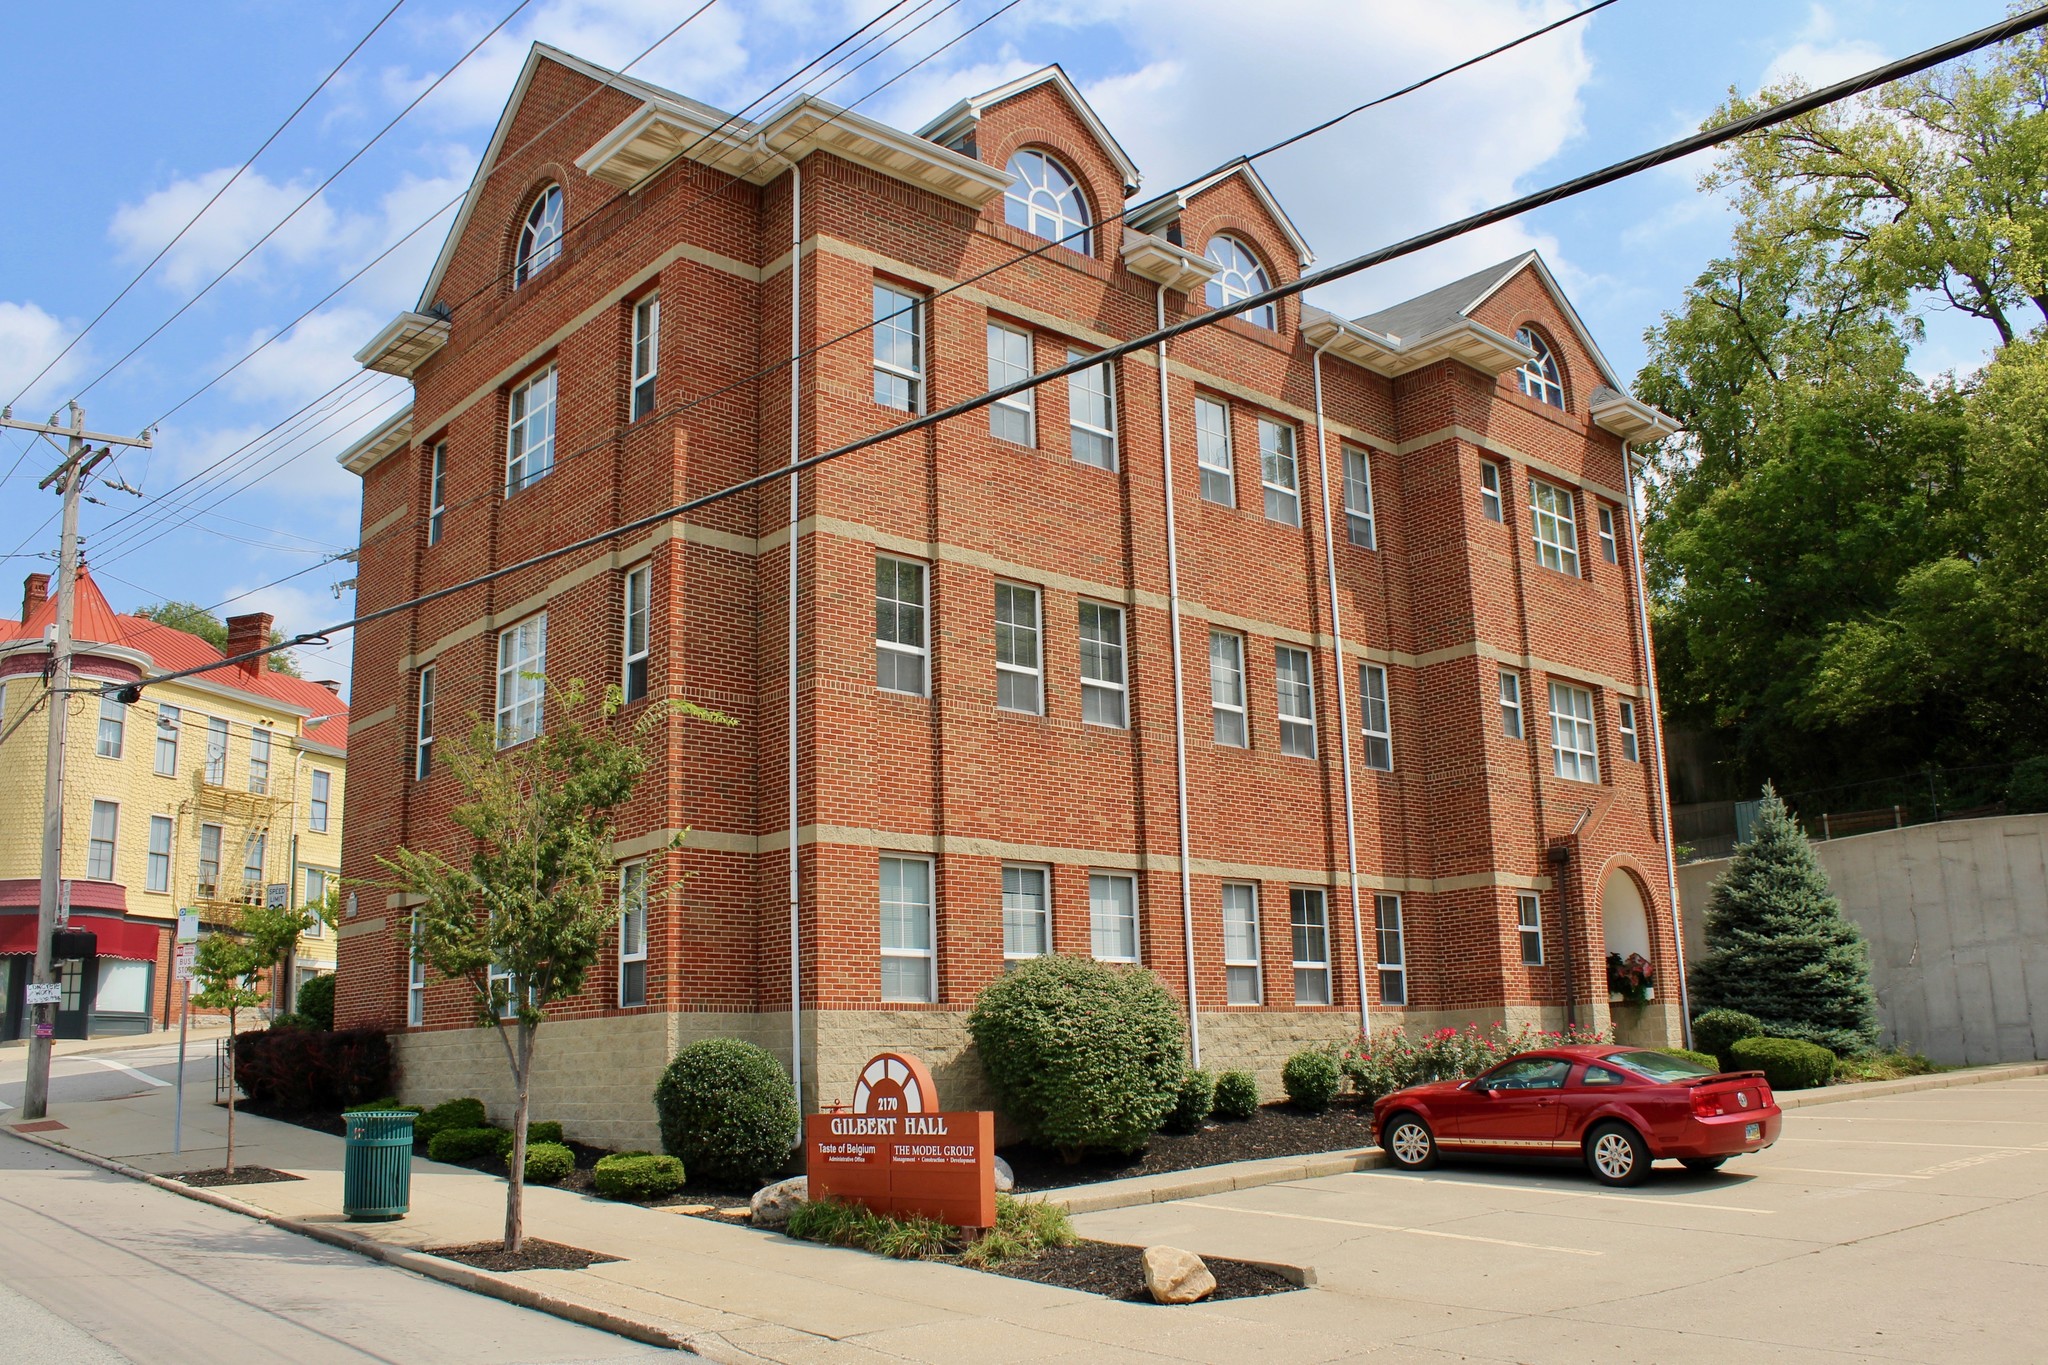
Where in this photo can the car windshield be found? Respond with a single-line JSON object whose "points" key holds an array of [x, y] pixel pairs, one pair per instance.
{"points": [[1659, 1066]]}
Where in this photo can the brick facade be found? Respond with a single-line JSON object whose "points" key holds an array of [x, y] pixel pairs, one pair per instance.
{"points": [[1445, 600]]}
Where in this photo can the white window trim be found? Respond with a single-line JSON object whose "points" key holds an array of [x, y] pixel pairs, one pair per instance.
{"points": [[1584, 760], [112, 713], [1528, 927], [1288, 718], [1559, 551], [216, 772], [1325, 966], [1037, 672], [1400, 931], [1610, 549], [94, 842], [1121, 687], [149, 878], [1292, 453], [536, 252], [647, 339], [259, 762], [423, 726], [1242, 709], [1359, 525], [1384, 732], [204, 889], [1044, 872], [1490, 505], [318, 800], [1136, 917], [1205, 466], [415, 977], [520, 471], [1234, 281], [1074, 229], [628, 656], [913, 375], [437, 491], [929, 956], [168, 720], [923, 652], [1107, 372], [521, 671], [1513, 724], [1025, 401], [1631, 747], [492, 977], [1258, 975], [626, 956]]}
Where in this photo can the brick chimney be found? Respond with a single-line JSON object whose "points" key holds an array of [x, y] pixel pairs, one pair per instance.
{"points": [[34, 590], [246, 633]]}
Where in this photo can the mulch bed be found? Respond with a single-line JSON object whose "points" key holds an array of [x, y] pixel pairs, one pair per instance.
{"points": [[533, 1254], [1277, 1130], [243, 1175], [1118, 1272]]}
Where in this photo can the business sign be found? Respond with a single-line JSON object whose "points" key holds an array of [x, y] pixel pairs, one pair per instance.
{"points": [[45, 993], [895, 1151], [188, 926]]}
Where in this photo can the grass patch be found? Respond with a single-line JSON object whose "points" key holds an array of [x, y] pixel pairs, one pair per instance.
{"points": [[1022, 1232], [1884, 1066]]}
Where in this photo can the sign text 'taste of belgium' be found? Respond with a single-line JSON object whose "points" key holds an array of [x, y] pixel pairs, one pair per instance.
{"points": [[897, 1153]]}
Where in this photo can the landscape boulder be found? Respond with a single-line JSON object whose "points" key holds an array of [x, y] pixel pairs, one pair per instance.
{"points": [[1006, 1179], [772, 1204], [1176, 1276]]}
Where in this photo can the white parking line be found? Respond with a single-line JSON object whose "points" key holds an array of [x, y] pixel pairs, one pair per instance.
{"points": [[1879, 1118], [1892, 1142], [1552, 1192], [1393, 1227], [142, 1076], [1867, 1175]]}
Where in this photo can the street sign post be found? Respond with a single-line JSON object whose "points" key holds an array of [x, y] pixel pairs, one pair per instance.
{"points": [[188, 950]]}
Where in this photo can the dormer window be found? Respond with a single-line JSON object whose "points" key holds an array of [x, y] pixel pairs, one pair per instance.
{"points": [[1239, 277], [1044, 200], [1538, 378], [540, 241]]}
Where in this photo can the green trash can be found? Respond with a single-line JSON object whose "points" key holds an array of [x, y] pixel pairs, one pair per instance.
{"points": [[376, 1166]]}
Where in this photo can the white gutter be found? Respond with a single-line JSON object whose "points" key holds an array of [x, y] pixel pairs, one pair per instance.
{"points": [[1656, 729], [796, 969], [1343, 698], [1180, 723]]}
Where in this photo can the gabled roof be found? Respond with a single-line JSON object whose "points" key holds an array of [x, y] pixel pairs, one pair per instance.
{"points": [[948, 127], [1167, 205], [1440, 307]]}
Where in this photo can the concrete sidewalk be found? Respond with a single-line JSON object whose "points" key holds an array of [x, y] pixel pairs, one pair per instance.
{"points": [[729, 1293]]}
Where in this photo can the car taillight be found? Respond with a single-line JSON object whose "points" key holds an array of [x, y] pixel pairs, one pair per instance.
{"points": [[1706, 1105]]}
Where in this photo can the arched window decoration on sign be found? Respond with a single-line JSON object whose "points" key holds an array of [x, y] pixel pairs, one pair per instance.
{"points": [[1240, 277], [1044, 200], [540, 241], [1539, 378]]}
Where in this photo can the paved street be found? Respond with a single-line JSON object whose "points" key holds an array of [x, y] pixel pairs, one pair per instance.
{"points": [[95, 1267], [106, 1072], [1903, 1228]]}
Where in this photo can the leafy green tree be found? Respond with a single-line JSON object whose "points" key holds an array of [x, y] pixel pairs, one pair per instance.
{"points": [[194, 619], [228, 963], [524, 920], [1779, 947]]}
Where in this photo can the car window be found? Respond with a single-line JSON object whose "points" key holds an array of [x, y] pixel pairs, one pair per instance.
{"points": [[1528, 1073], [1658, 1066], [1600, 1075]]}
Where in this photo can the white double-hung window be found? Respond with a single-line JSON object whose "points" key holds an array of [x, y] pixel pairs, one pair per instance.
{"points": [[907, 963], [1510, 703], [1019, 666], [1013, 418], [1393, 954], [216, 750], [1226, 689], [113, 728], [1375, 719], [1296, 688], [159, 870], [1278, 472], [646, 354], [633, 680], [1027, 912], [1489, 491], [437, 493], [1609, 549], [168, 719], [522, 680], [1571, 733], [1311, 924], [415, 977], [208, 887], [1113, 917], [1529, 927], [1212, 452], [423, 728], [1102, 665], [1091, 413], [1358, 498], [99, 849], [632, 934], [1629, 748], [1556, 527], [899, 349], [530, 437], [1241, 943], [259, 761], [900, 639], [316, 805]]}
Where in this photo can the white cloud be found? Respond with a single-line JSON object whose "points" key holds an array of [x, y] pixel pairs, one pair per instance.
{"points": [[251, 207], [1820, 56], [29, 337]]}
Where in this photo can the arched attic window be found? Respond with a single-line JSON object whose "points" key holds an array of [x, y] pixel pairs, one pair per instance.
{"points": [[1045, 201], [1539, 377], [540, 240], [1240, 277]]}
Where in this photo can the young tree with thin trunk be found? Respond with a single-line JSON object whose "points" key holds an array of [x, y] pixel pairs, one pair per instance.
{"points": [[228, 963], [526, 919]]}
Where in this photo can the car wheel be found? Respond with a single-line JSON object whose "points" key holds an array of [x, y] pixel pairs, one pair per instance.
{"points": [[1409, 1143], [1617, 1155], [1702, 1164]]}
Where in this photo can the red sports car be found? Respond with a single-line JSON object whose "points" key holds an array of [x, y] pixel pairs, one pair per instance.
{"points": [[1619, 1108]]}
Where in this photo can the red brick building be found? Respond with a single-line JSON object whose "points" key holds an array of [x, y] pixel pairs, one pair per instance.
{"points": [[1418, 659]]}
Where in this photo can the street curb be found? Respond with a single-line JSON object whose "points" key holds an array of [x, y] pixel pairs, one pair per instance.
{"points": [[1208, 1180], [1864, 1090], [421, 1263]]}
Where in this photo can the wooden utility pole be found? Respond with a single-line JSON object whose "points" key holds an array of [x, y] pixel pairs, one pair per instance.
{"points": [[80, 459]]}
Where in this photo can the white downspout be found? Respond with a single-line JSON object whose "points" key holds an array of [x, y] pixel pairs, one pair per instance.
{"points": [[1656, 729], [796, 970], [1180, 723], [1343, 699]]}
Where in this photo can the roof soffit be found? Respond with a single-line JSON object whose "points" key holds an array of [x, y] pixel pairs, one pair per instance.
{"points": [[391, 436], [967, 114]]}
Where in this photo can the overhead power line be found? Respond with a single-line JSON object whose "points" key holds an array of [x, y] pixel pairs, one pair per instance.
{"points": [[1777, 114]]}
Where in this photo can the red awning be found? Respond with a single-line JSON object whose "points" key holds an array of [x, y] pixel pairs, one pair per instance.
{"points": [[135, 940]]}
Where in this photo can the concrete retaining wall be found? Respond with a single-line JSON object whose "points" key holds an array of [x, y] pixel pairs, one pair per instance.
{"points": [[1957, 919]]}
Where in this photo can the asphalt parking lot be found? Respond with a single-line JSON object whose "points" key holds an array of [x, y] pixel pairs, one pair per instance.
{"points": [[1910, 1227]]}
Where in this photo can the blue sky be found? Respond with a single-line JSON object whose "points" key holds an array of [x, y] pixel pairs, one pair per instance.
{"points": [[133, 114]]}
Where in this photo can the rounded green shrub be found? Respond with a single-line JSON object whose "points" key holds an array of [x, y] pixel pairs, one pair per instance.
{"points": [[386, 1106], [1237, 1095], [1787, 1063], [548, 1163], [637, 1175], [293, 1021], [542, 1130], [315, 1002], [1310, 1079], [2027, 791], [1081, 1054], [727, 1109], [1705, 1059], [469, 1144], [1716, 1030], [1192, 1106], [467, 1112]]}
